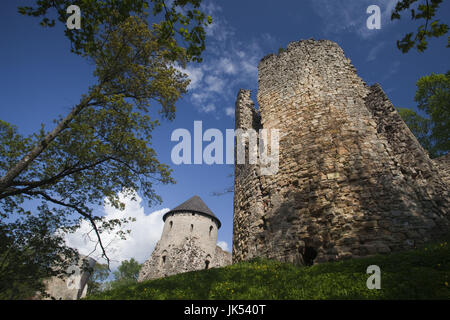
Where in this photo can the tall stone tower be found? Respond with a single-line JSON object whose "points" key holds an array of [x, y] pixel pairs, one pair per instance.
{"points": [[352, 179], [188, 242]]}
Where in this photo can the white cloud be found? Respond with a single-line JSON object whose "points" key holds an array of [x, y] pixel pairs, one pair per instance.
{"points": [[395, 67], [390, 6], [195, 74], [199, 98], [374, 51], [250, 67], [218, 28], [268, 38], [220, 75], [210, 7], [223, 245], [209, 108], [203, 101], [139, 244], [337, 14], [351, 16], [227, 66], [214, 84], [229, 111]]}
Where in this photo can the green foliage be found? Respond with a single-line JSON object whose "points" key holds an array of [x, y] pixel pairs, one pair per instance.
{"points": [[96, 281], [127, 274], [426, 10], [433, 97], [128, 270], [419, 126], [31, 250], [182, 18], [418, 274], [103, 146]]}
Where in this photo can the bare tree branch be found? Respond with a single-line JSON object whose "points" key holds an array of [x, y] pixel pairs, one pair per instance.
{"points": [[80, 211]]}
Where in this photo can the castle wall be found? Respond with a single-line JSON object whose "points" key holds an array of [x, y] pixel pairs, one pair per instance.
{"points": [[422, 173], [180, 225], [443, 164], [247, 189], [340, 191], [186, 244]]}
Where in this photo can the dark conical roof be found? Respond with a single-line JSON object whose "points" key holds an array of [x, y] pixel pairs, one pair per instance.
{"points": [[194, 205]]}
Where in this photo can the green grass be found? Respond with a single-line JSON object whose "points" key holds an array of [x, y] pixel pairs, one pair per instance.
{"points": [[418, 274]]}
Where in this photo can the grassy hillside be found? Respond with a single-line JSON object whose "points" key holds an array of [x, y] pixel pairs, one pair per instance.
{"points": [[418, 274]]}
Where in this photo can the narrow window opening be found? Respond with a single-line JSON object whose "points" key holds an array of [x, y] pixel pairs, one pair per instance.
{"points": [[163, 259], [171, 225], [206, 264], [192, 227], [210, 230]]}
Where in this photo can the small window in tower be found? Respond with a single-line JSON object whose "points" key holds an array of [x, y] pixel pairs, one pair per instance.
{"points": [[206, 264], [192, 227], [163, 259], [210, 230], [171, 225]]}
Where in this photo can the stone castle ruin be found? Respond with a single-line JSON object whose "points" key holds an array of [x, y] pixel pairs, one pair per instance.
{"points": [[188, 242], [69, 287], [352, 179]]}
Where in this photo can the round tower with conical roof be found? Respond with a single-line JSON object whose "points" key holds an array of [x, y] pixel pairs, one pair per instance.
{"points": [[188, 242]]}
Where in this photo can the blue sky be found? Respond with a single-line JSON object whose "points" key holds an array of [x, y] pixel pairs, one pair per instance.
{"points": [[41, 79]]}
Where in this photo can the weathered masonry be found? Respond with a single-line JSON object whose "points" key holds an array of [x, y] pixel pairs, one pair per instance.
{"points": [[352, 179], [188, 242]]}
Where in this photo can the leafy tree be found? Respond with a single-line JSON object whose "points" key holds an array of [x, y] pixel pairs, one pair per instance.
{"points": [[30, 251], [97, 279], [127, 273], [418, 125], [182, 18], [425, 10], [433, 97], [128, 270], [102, 146]]}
